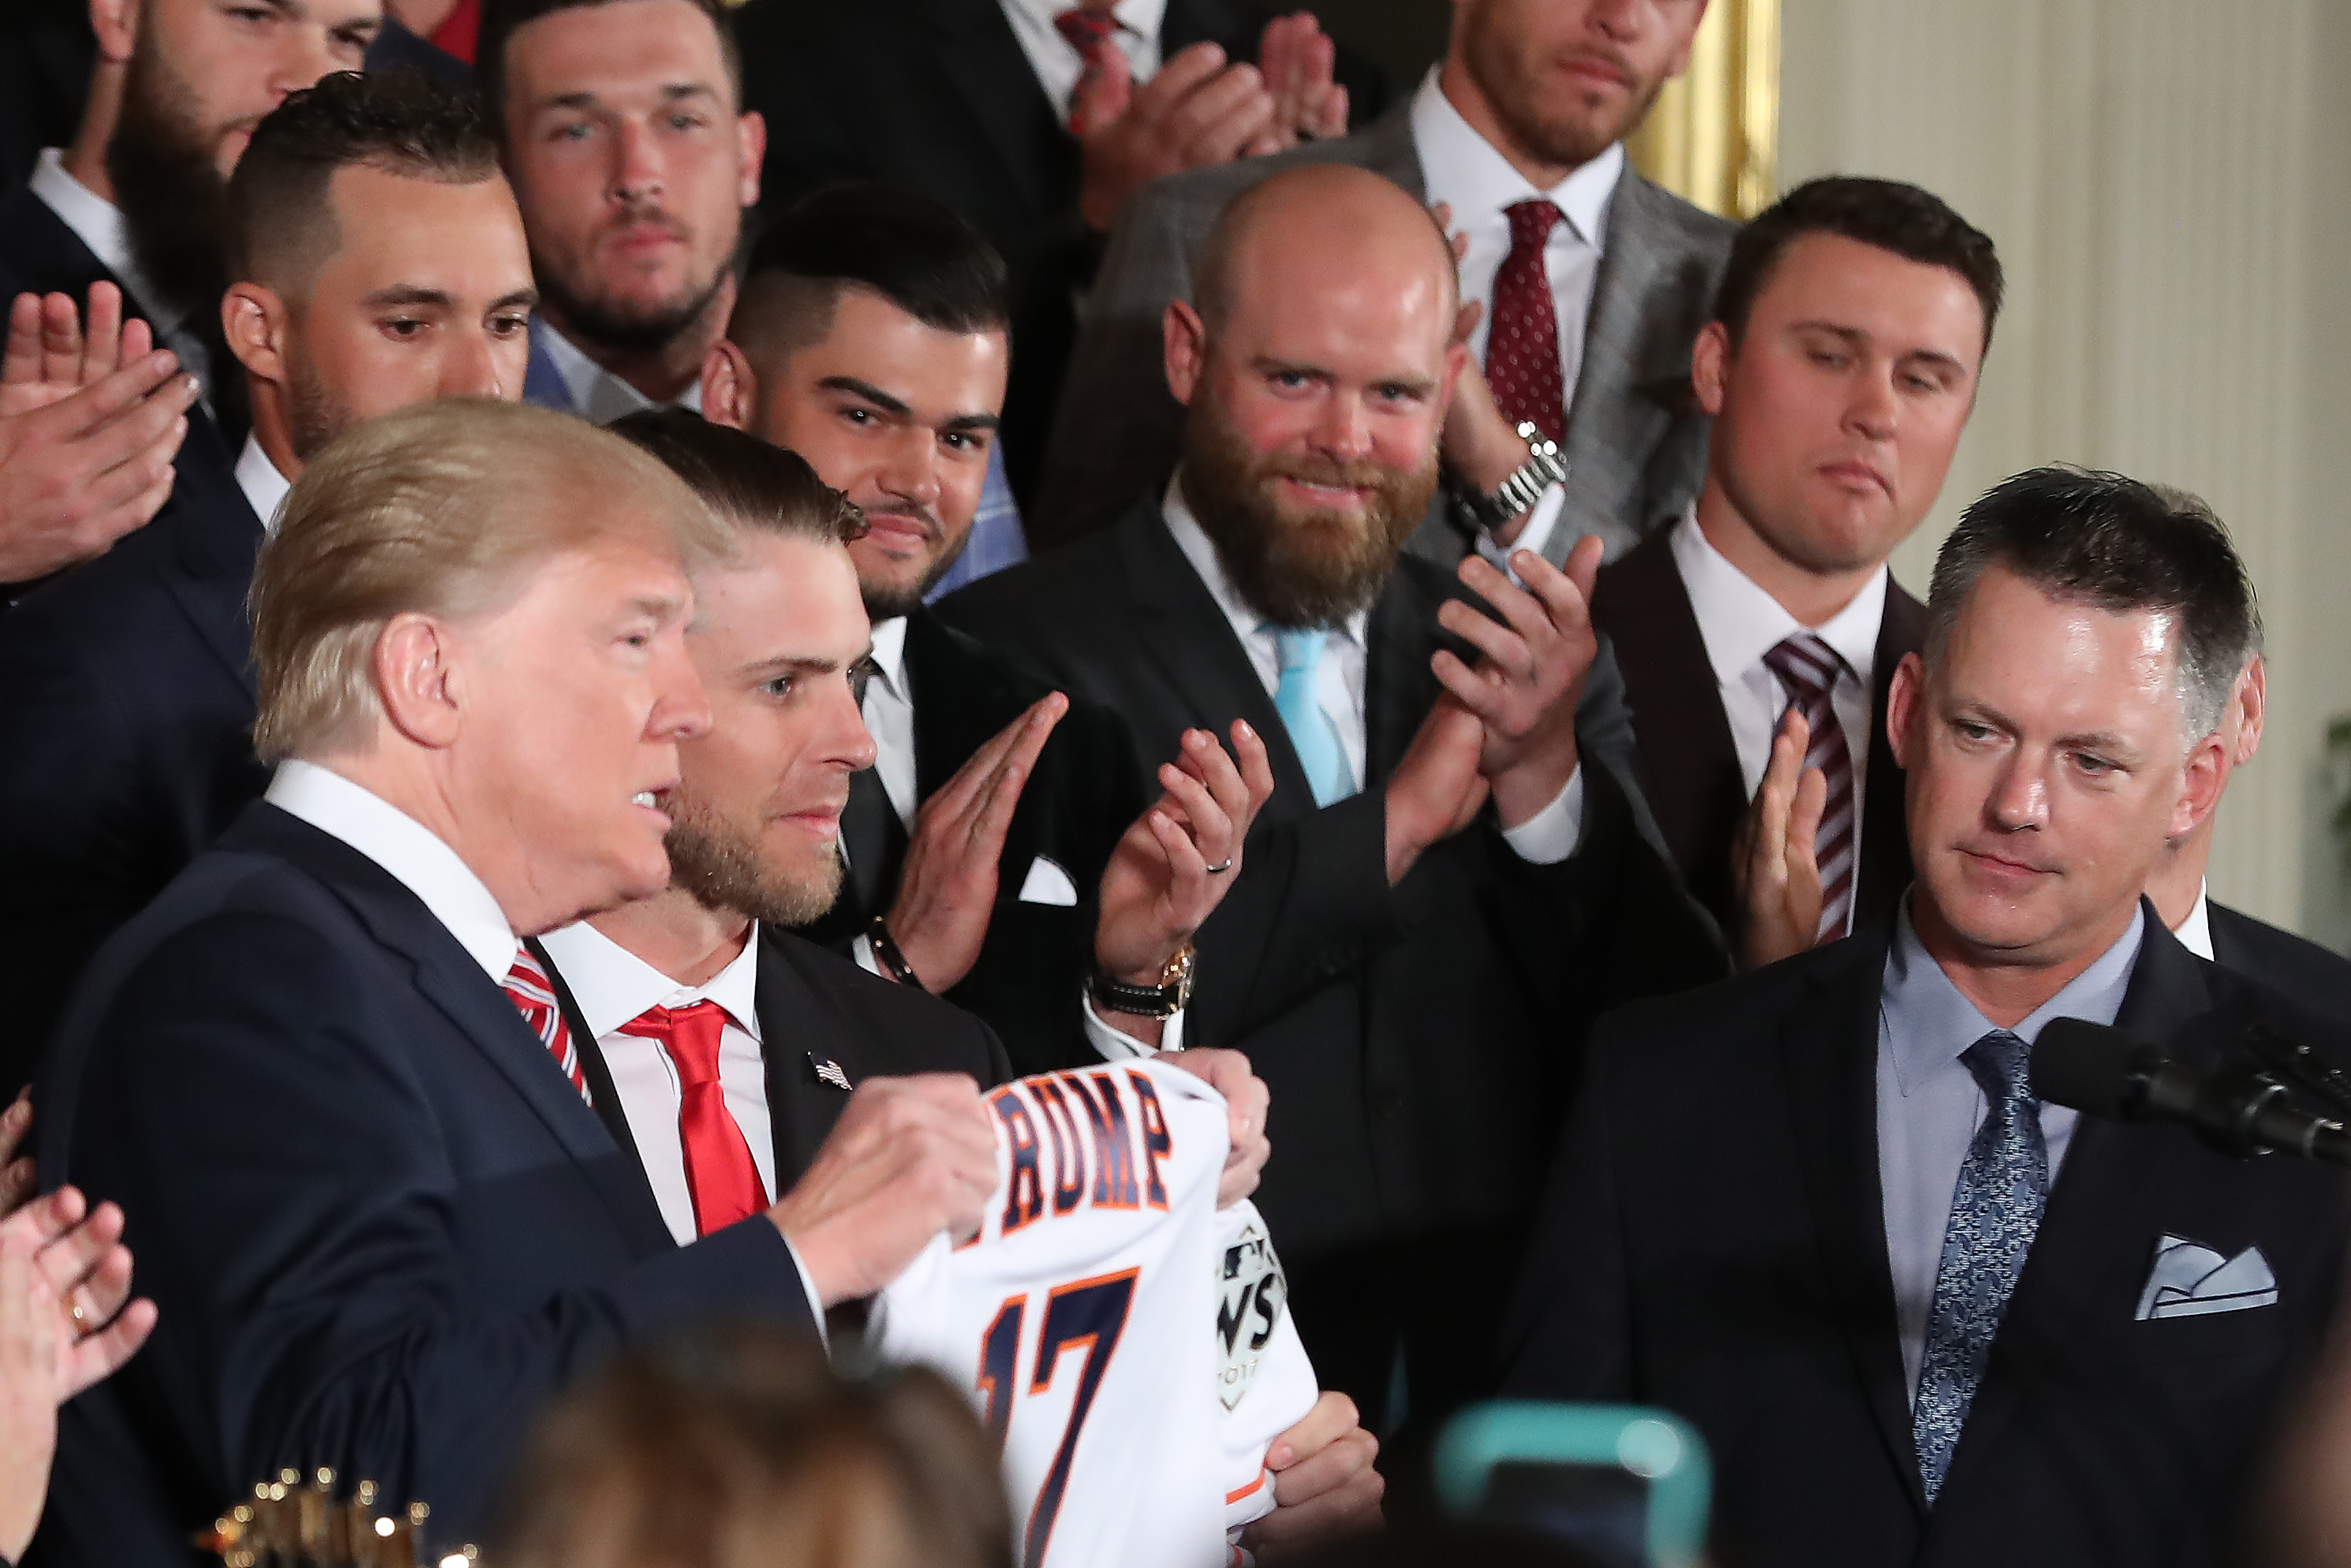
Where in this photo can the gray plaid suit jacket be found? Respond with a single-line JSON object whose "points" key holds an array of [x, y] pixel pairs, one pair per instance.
{"points": [[1636, 441]]}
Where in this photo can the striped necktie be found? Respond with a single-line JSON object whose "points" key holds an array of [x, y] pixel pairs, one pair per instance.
{"points": [[533, 995], [1807, 668]]}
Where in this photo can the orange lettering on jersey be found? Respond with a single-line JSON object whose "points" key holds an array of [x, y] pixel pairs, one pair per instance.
{"points": [[1024, 1200], [1113, 1144], [1156, 1145], [1069, 1160]]}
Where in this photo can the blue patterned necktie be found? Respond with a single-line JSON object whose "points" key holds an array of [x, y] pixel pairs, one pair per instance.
{"points": [[1312, 734], [1995, 1208]]}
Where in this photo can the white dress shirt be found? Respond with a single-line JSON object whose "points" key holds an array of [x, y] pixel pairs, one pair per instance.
{"points": [[614, 986], [1056, 62], [98, 224], [1544, 838], [1739, 622], [2195, 933], [265, 487], [597, 394]]}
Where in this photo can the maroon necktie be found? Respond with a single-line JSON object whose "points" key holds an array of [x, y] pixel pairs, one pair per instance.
{"points": [[720, 1175], [527, 988], [1089, 32], [1807, 668], [1522, 339]]}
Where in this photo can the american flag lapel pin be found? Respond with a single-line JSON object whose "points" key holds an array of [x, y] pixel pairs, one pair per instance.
{"points": [[829, 1070]]}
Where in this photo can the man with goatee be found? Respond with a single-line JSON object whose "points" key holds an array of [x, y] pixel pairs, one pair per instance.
{"points": [[1451, 878]]}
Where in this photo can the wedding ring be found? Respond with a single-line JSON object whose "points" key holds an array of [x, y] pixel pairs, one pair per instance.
{"points": [[1215, 869]]}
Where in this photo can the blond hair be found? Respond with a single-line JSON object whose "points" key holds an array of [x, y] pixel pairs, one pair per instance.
{"points": [[442, 509]]}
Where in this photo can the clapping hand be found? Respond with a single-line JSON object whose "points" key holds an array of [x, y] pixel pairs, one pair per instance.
{"points": [[1525, 686], [1775, 864]]}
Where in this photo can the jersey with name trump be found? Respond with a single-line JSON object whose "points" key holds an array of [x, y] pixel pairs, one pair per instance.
{"points": [[1127, 1342]]}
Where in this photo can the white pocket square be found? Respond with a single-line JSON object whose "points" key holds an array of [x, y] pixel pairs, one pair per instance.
{"points": [[1049, 884], [2189, 1279]]}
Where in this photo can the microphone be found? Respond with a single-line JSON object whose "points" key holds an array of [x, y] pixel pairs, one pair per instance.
{"points": [[2238, 1107]]}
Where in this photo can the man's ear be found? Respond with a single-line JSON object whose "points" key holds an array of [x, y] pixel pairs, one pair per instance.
{"points": [[751, 128], [2201, 782], [2252, 699], [1185, 344], [1710, 366], [254, 321], [1457, 360], [730, 391], [413, 666], [1903, 697], [116, 23]]}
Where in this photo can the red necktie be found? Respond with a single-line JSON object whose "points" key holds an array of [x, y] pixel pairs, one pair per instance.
{"points": [[1089, 32], [527, 988], [1807, 668], [1522, 343], [720, 1173]]}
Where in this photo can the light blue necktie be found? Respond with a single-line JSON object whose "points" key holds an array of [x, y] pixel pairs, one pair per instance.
{"points": [[1312, 734], [1995, 1209]]}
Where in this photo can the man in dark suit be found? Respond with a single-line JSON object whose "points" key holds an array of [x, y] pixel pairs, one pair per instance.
{"points": [[125, 725], [1918, 1316], [1839, 367], [1519, 134], [1411, 972], [1036, 121], [420, 1229], [872, 339]]}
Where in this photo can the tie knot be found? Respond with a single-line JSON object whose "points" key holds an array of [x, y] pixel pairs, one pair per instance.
{"points": [[2001, 1062], [1807, 666], [1531, 222], [1301, 649], [1087, 30], [690, 1034]]}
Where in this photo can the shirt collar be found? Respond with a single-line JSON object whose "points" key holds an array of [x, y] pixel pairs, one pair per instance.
{"points": [[265, 487], [890, 654], [1201, 551], [98, 224], [597, 394], [1739, 622], [614, 985], [1463, 169], [1140, 18], [2195, 933], [1931, 1023], [412, 852]]}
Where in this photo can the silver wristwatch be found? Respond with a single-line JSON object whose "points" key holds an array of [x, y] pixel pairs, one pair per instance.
{"points": [[1543, 468]]}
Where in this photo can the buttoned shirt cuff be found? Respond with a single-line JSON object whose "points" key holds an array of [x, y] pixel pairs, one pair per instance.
{"points": [[1114, 1044], [807, 1287], [1550, 835], [1541, 518]]}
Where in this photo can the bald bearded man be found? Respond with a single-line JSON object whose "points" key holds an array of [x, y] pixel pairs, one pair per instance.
{"points": [[1450, 879]]}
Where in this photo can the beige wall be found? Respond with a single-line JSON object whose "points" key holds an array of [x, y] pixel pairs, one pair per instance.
{"points": [[2167, 182]]}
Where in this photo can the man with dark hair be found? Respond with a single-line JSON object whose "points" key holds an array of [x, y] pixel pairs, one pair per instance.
{"points": [[1592, 283], [1760, 633], [1412, 972], [381, 262], [871, 337], [1919, 1316]]}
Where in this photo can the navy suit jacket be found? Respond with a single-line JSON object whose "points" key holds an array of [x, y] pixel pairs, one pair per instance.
{"points": [[2316, 978], [381, 1227], [1715, 1243]]}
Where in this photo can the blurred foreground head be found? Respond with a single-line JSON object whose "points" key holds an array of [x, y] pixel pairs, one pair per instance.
{"points": [[741, 1448]]}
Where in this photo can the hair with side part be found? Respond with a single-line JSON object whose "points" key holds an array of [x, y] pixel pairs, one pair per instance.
{"points": [[443, 508], [746, 482], [1915, 224], [282, 225], [741, 1448], [2121, 545], [906, 248]]}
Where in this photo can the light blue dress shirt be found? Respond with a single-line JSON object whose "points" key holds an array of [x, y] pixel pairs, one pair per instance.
{"points": [[995, 540], [1929, 1105]]}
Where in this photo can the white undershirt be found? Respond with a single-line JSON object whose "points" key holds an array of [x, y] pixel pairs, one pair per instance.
{"points": [[265, 487]]}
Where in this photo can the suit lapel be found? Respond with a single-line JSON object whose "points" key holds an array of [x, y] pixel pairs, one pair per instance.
{"points": [[1885, 838], [974, 48], [1829, 1052], [957, 708], [603, 1097], [218, 540], [801, 1033], [1399, 688], [1635, 370]]}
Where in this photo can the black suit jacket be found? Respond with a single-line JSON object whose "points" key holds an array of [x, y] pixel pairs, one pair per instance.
{"points": [[126, 737], [381, 1227], [1715, 1243], [2314, 978], [937, 97], [815, 1009], [1078, 800], [1689, 767], [1420, 1040]]}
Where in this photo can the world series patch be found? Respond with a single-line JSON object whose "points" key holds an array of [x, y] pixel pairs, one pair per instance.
{"points": [[1254, 1293]]}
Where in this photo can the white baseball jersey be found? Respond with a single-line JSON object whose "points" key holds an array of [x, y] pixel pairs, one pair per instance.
{"points": [[1127, 1340]]}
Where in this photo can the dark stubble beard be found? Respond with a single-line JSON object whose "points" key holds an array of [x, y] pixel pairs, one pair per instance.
{"points": [[1296, 568], [719, 864], [1497, 64], [616, 326], [173, 202], [314, 413]]}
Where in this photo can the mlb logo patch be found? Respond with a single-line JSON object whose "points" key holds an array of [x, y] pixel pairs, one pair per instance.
{"points": [[1254, 1293]]}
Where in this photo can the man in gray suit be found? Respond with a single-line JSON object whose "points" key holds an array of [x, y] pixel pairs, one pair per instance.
{"points": [[1519, 134]]}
